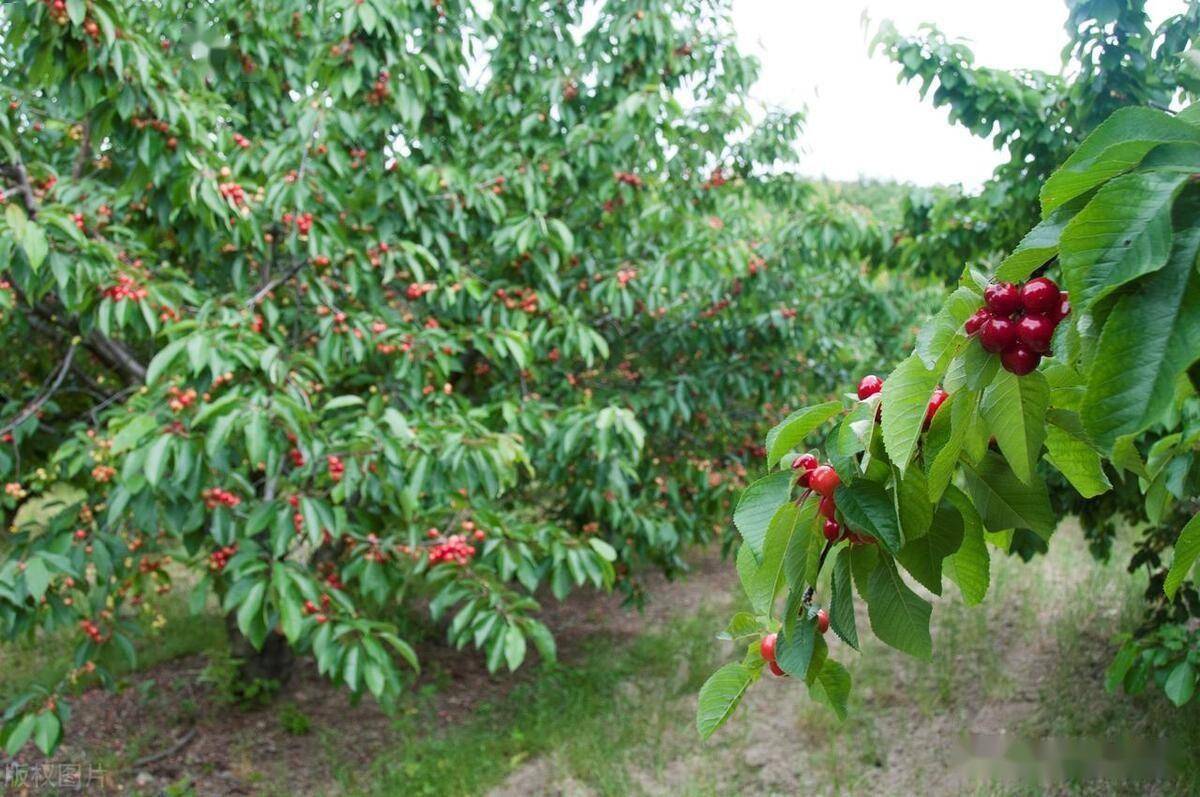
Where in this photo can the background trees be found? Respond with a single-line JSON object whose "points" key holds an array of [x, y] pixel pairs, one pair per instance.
{"points": [[347, 304]]}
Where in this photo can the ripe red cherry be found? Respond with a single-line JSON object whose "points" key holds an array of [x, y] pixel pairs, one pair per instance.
{"points": [[832, 530], [868, 386], [824, 480], [827, 507], [935, 402], [1020, 360], [822, 621], [997, 334], [977, 319], [767, 647], [1039, 295], [1035, 332], [806, 461], [775, 669], [1002, 298]]}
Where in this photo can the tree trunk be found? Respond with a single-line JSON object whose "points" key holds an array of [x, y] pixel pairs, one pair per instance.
{"points": [[274, 662]]}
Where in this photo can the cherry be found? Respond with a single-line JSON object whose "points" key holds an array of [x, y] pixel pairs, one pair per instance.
{"points": [[832, 529], [1020, 360], [868, 386], [1035, 332], [935, 402], [1039, 295], [775, 669], [767, 647], [806, 461], [824, 479], [997, 334], [1063, 309], [822, 621], [977, 319], [1002, 298], [827, 507]]}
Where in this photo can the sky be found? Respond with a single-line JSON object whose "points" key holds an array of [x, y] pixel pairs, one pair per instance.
{"points": [[861, 122]]}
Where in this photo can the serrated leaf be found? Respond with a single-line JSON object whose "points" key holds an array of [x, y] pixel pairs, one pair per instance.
{"points": [[1075, 459], [156, 459], [1038, 246], [720, 695], [841, 600], [832, 687], [794, 648], [1181, 683], [867, 507], [906, 394], [923, 556], [792, 430], [769, 578], [758, 504], [1014, 409], [1150, 338], [1187, 549], [1004, 502], [899, 617], [970, 566]]}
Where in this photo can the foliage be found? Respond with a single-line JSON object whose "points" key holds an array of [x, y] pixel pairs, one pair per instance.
{"points": [[934, 489], [350, 307]]}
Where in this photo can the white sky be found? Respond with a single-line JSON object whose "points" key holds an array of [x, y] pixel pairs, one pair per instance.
{"points": [[860, 121]]}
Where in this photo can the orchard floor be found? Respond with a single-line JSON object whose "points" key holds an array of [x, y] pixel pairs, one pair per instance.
{"points": [[615, 717]]}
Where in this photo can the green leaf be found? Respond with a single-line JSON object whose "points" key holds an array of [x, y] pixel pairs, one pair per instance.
{"points": [[922, 557], [758, 505], [1014, 409], [899, 617], [20, 734], [841, 600], [34, 243], [514, 647], [1038, 246], [1122, 234], [1151, 337], [251, 606], [741, 625], [163, 360], [906, 395], [832, 687], [867, 507], [156, 459], [48, 732], [1004, 502], [795, 645], [1187, 548], [1074, 457], [37, 578], [944, 333], [770, 575], [1115, 146], [77, 11], [1181, 683], [913, 506], [970, 566], [792, 430], [720, 695], [944, 443]]}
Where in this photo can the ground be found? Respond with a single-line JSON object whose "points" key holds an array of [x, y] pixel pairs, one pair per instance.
{"points": [[616, 716]]}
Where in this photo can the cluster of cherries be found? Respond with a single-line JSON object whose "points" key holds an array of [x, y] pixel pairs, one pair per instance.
{"points": [[766, 647], [220, 557], [824, 480], [233, 192], [455, 549], [126, 288], [629, 178], [312, 609], [215, 497], [303, 221], [336, 467], [92, 630], [1018, 322], [181, 399]]}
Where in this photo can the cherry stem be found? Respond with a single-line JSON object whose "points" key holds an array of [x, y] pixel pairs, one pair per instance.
{"points": [[808, 593]]}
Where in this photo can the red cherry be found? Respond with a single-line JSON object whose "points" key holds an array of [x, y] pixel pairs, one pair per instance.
{"points": [[775, 669], [869, 386], [827, 507], [977, 319], [767, 647], [1035, 331], [997, 334], [832, 530], [806, 461], [1063, 309], [824, 479], [1002, 298], [1020, 360], [935, 402], [1039, 295], [822, 621]]}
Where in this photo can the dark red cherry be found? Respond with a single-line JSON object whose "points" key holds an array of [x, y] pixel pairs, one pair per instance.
{"points": [[1020, 360], [1039, 295], [1002, 298], [1035, 332], [977, 319], [997, 334]]}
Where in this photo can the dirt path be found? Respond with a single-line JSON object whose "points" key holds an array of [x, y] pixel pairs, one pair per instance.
{"points": [[910, 720]]}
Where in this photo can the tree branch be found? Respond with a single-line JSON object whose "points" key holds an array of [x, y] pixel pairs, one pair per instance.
{"points": [[52, 384], [18, 173], [275, 283]]}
